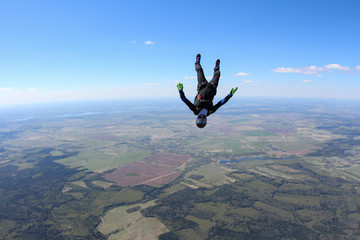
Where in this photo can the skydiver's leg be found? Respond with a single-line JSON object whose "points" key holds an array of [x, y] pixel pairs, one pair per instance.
{"points": [[200, 73], [215, 80], [200, 76]]}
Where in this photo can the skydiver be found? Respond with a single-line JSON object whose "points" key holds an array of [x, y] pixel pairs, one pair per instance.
{"points": [[203, 102]]}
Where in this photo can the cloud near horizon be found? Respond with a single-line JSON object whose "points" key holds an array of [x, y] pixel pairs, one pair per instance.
{"points": [[313, 69], [6, 89], [12, 96]]}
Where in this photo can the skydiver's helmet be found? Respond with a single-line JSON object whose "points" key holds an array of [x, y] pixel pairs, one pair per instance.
{"points": [[201, 121]]}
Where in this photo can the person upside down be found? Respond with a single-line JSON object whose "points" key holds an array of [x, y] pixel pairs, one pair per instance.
{"points": [[203, 103]]}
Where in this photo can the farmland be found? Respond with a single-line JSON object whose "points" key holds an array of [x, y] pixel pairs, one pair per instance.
{"points": [[259, 170], [157, 169], [123, 221]]}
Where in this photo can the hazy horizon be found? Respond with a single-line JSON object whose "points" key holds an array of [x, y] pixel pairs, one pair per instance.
{"points": [[147, 101]]}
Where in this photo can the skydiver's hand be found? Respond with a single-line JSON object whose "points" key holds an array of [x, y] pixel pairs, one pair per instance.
{"points": [[233, 90], [180, 86]]}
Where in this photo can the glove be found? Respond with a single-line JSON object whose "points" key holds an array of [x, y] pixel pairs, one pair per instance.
{"points": [[180, 86], [233, 90]]}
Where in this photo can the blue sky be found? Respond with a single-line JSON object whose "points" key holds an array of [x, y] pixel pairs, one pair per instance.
{"points": [[77, 50]]}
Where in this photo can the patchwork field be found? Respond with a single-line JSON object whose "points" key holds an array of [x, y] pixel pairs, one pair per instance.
{"points": [[261, 169]]}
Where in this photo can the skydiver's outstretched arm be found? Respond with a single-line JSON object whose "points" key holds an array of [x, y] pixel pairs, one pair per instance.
{"points": [[184, 99], [224, 100]]}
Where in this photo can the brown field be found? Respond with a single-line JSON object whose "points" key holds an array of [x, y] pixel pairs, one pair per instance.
{"points": [[163, 179], [153, 170]]}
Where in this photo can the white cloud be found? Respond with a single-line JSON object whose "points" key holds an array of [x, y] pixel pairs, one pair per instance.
{"points": [[357, 68], [311, 70], [249, 81], [314, 69], [307, 81], [337, 66], [10, 90], [190, 77], [303, 70], [149, 43], [6, 89], [241, 74]]}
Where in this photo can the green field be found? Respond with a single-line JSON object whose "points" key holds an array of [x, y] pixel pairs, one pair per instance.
{"points": [[118, 223], [103, 184], [144, 228], [212, 175], [275, 210], [257, 133], [99, 162], [310, 201], [234, 145]]}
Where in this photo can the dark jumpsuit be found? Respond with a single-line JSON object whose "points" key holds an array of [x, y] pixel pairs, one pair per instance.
{"points": [[205, 93]]}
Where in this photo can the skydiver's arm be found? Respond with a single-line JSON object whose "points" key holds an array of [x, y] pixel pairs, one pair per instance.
{"points": [[186, 101], [224, 100]]}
